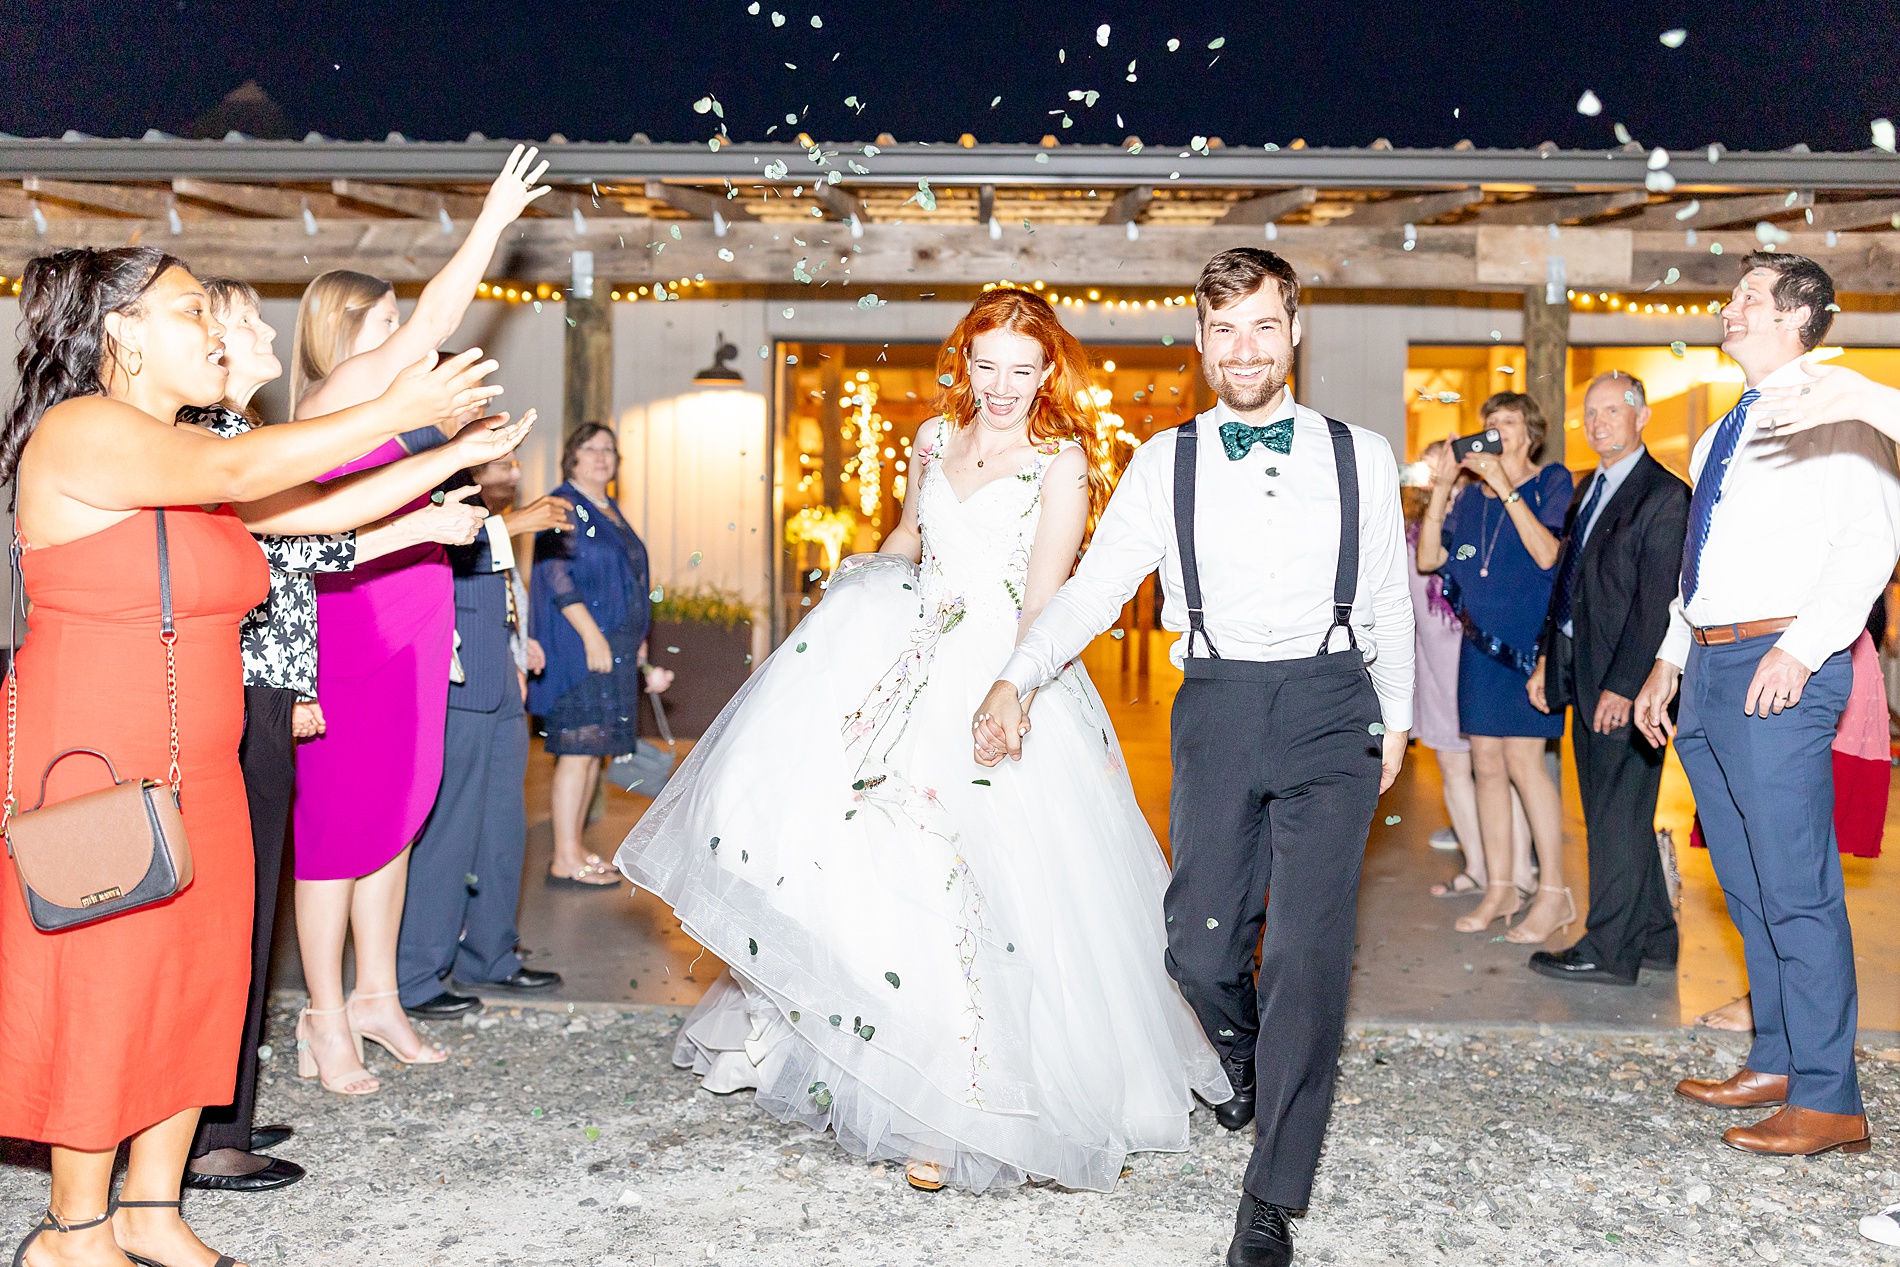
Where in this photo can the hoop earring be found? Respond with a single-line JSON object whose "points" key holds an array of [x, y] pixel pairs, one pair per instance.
{"points": [[133, 370]]}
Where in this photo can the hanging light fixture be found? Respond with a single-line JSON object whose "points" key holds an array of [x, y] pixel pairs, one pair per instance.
{"points": [[719, 374]]}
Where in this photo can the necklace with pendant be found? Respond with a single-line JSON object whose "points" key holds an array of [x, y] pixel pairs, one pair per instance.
{"points": [[1484, 560]]}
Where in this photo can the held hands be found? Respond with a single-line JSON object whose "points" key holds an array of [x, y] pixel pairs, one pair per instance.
{"points": [[515, 188], [306, 720], [429, 393], [539, 515], [999, 726], [453, 522], [1651, 710], [1778, 683]]}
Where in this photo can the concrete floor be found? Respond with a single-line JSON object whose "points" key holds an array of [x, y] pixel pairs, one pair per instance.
{"points": [[622, 947]]}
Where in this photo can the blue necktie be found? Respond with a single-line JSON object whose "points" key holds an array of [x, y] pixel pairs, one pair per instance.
{"points": [[1708, 490], [1567, 575]]}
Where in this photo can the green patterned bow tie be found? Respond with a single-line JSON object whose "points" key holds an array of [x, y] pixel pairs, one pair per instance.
{"points": [[1238, 437]]}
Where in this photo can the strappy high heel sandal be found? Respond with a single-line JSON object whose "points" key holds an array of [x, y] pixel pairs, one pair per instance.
{"points": [[1474, 923], [1525, 938], [51, 1222], [224, 1260], [307, 1066], [432, 1053]]}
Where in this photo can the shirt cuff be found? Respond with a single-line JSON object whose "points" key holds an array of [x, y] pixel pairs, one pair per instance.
{"points": [[1807, 643], [1020, 672], [1396, 712], [1675, 643]]}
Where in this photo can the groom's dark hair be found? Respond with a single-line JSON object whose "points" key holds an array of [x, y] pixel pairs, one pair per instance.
{"points": [[1239, 272]]}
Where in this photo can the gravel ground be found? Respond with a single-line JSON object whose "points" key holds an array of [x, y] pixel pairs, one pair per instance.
{"points": [[569, 1138]]}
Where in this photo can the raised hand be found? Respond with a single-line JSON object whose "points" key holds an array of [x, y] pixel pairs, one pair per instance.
{"points": [[486, 439], [454, 522], [539, 515], [1835, 394], [515, 188], [434, 392]]}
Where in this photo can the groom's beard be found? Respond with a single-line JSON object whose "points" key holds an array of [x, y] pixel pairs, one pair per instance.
{"points": [[1241, 398]]}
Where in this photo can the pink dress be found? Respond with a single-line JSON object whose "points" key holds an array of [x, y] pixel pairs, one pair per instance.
{"points": [[1436, 649], [385, 634]]}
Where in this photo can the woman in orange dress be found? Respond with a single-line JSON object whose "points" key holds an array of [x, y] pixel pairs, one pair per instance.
{"points": [[126, 1027]]}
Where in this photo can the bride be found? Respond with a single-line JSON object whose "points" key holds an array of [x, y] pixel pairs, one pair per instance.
{"points": [[955, 967]]}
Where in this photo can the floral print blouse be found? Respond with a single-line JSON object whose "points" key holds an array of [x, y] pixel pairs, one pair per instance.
{"points": [[278, 637]]}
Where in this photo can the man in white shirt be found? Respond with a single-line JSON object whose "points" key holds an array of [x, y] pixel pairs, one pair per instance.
{"points": [[1790, 540], [1281, 547]]}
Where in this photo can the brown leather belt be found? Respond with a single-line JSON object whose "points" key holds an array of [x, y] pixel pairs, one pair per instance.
{"points": [[1722, 635]]}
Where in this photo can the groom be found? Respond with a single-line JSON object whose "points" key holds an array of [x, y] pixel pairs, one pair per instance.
{"points": [[1282, 556]]}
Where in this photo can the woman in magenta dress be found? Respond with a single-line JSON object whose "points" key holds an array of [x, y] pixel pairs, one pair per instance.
{"points": [[366, 782]]}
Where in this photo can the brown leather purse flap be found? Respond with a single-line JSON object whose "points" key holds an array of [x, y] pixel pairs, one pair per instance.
{"points": [[97, 846]]}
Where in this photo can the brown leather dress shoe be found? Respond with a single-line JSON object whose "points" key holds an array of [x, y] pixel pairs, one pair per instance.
{"points": [[1745, 1090], [1799, 1132]]}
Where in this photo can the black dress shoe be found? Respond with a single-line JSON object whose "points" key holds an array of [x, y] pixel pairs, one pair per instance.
{"points": [[265, 1138], [520, 979], [1263, 1235], [444, 1005], [276, 1173], [1237, 1112], [1657, 964], [1568, 965]]}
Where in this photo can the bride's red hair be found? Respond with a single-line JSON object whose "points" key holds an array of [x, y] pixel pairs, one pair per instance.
{"points": [[1063, 408]]}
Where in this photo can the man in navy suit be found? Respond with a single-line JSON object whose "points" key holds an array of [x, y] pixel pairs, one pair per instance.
{"points": [[458, 919], [1609, 609]]}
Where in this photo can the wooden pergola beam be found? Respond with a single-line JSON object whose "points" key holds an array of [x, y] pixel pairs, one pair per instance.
{"points": [[985, 204], [1270, 208], [839, 203], [141, 201], [1718, 213], [1416, 210], [697, 203], [1561, 210], [1129, 205], [409, 200], [1866, 214], [1504, 258], [271, 201]]}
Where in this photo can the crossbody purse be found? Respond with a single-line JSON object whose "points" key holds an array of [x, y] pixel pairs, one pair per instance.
{"points": [[104, 853]]}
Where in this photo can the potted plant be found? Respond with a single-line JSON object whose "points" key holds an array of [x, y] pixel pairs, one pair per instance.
{"points": [[705, 636]]}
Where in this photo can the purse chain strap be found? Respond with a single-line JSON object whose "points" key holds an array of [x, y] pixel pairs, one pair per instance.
{"points": [[167, 634]]}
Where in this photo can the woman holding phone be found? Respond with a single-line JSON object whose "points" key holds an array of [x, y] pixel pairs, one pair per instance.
{"points": [[1496, 546]]}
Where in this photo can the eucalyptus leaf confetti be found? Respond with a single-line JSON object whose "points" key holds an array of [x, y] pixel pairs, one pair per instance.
{"points": [[892, 978], [1464, 552]]}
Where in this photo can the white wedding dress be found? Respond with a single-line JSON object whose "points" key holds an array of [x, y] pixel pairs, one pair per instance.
{"points": [[933, 959]]}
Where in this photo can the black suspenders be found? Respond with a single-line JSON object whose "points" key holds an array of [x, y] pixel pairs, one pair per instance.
{"points": [[1345, 578]]}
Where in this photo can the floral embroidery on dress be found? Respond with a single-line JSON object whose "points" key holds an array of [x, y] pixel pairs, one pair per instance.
{"points": [[278, 637]]}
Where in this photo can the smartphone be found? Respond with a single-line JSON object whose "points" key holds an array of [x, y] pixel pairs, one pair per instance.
{"points": [[1486, 441]]}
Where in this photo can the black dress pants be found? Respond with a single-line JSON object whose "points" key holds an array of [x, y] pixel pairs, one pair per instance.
{"points": [[1276, 775], [1619, 776], [267, 755]]}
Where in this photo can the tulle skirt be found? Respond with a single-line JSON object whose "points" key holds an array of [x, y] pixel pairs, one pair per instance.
{"points": [[935, 960]]}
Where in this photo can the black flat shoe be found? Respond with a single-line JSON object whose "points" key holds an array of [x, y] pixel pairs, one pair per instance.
{"points": [[265, 1138], [520, 979], [275, 1173], [1263, 1235], [444, 1005], [1237, 1112], [1571, 966]]}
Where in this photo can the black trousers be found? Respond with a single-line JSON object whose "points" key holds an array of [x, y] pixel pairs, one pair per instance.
{"points": [[1276, 775], [1619, 776], [267, 755]]}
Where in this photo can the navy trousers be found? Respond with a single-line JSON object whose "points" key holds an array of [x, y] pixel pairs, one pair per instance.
{"points": [[1764, 787], [1276, 775], [458, 918]]}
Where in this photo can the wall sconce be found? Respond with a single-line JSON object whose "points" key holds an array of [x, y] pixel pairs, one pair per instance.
{"points": [[719, 374]]}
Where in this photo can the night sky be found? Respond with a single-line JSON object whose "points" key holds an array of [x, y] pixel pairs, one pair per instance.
{"points": [[1751, 75]]}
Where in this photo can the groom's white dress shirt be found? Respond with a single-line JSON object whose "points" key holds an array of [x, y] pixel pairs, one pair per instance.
{"points": [[1267, 540], [1808, 526]]}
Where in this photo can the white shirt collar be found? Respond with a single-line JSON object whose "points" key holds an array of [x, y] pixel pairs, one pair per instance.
{"points": [[1794, 371], [1288, 409]]}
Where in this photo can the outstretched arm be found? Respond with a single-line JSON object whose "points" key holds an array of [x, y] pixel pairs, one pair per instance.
{"points": [[1835, 394], [444, 300]]}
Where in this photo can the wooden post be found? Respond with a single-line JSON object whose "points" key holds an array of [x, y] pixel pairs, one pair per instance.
{"points": [[1546, 356], [831, 410], [588, 385]]}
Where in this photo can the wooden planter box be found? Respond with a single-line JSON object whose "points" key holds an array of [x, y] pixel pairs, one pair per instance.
{"points": [[709, 665]]}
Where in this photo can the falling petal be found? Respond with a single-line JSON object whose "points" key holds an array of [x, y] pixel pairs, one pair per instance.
{"points": [[1118, 634], [995, 102], [892, 978], [944, 380], [1174, 46], [1883, 134], [1673, 37], [702, 105], [1213, 923], [816, 22], [1673, 276], [1376, 728], [1767, 233], [1219, 41], [1679, 348], [1101, 35], [1588, 105], [778, 19], [1464, 552], [1658, 159], [725, 254], [1391, 820]]}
